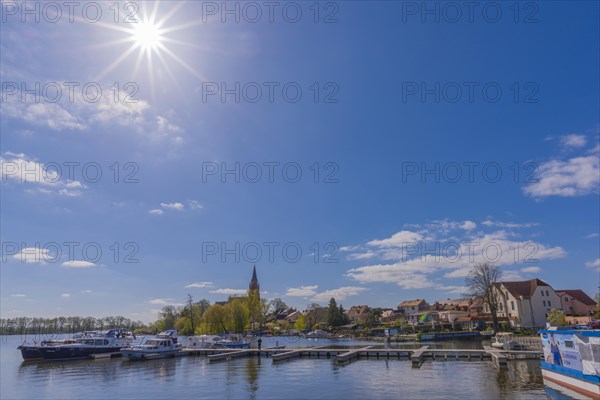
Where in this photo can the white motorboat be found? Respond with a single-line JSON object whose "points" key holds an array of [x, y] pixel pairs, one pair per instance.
{"points": [[202, 341], [318, 334], [163, 345]]}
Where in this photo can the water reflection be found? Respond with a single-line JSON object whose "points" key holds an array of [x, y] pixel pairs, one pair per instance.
{"points": [[260, 378]]}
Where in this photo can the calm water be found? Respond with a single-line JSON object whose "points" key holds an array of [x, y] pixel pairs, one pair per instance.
{"points": [[254, 378]]}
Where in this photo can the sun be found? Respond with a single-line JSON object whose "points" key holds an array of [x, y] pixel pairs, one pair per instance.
{"points": [[147, 35]]}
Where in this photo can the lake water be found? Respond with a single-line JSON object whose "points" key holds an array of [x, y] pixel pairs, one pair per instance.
{"points": [[259, 378]]}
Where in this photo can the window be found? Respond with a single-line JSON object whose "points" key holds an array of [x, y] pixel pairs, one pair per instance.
{"points": [[549, 305], [547, 293], [542, 292], [566, 299], [512, 305], [544, 302], [506, 294]]}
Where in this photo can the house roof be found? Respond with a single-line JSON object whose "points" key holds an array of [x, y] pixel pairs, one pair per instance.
{"points": [[411, 303], [358, 309], [293, 315], [456, 302], [523, 288], [579, 295]]}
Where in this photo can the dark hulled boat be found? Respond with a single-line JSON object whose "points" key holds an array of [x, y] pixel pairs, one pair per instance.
{"points": [[111, 341]]}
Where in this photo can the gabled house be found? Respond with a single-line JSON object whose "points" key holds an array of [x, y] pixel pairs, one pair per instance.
{"points": [[412, 306], [293, 317], [576, 302], [526, 304], [389, 315], [357, 313]]}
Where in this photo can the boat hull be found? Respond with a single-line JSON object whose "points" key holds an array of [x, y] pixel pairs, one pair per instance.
{"points": [[136, 355], [245, 345], [580, 386], [30, 353], [73, 353]]}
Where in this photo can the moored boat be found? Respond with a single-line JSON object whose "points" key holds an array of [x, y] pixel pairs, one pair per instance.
{"points": [[31, 352], [163, 345], [111, 341], [318, 334], [572, 361]]}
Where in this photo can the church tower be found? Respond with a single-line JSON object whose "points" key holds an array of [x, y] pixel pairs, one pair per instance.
{"points": [[254, 285]]}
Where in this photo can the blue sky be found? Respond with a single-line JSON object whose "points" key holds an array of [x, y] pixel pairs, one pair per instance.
{"points": [[399, 94]]}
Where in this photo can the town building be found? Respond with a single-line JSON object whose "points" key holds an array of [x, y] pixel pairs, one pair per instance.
{"points": [[412, 306], [526, 304], [357, 313], [576, 302]]}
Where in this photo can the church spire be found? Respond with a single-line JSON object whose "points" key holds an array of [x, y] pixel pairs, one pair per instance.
{"points": [[254, 285]]}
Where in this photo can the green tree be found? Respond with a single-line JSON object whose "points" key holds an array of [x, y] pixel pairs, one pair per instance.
{"points": [[255, 308], [335, 314], [300, 325], [238, 315], [214, 319], [557, 317]]}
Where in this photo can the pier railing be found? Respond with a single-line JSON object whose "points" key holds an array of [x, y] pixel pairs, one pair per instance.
{"points": [[533, 343]]}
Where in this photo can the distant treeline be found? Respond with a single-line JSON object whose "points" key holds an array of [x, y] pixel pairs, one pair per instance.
{"points": [[69, 325]]}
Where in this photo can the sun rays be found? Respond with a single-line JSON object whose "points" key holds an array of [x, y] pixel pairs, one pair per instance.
{"points": [[148, 40]]}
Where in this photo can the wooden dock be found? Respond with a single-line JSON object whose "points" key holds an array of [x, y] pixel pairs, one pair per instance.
{"points": [[417, 357], [351, 355], [500, 358]]}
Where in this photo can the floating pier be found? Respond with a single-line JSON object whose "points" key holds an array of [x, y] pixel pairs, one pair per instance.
{"points": [[417, 357], [499, 358]]}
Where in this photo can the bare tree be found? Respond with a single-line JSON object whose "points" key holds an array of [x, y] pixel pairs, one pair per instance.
{"points": [[481, 281]]}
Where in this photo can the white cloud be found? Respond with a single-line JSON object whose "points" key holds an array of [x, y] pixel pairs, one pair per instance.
{"points": [[512, 276], [86, 291], [594, 264], [155, 212], [18, 295], [398, 239], [23, 169], [592, 235], [78, 264], [65, 295], [195, 205], [416, 266], [531, 270], [339, 294], [230, 292], [468, 225], [577, 176], [302, 291], [173, 206], [573, 141], [488, 222], [199, 285], [78, 114], [362, 256], [163, 302], [33, 255]]}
